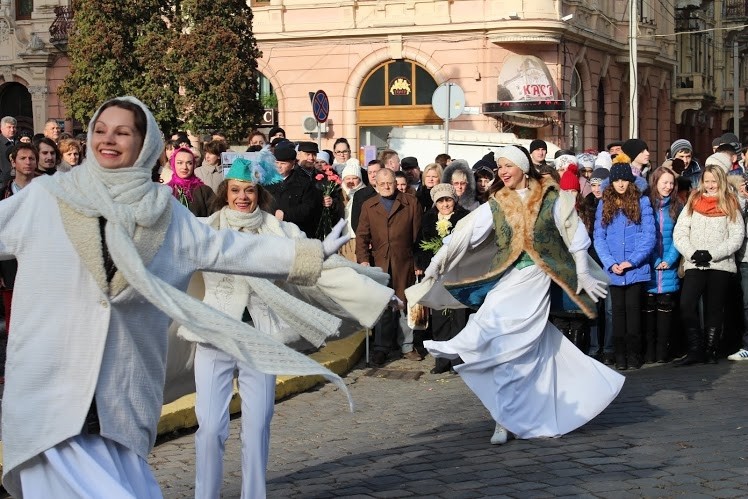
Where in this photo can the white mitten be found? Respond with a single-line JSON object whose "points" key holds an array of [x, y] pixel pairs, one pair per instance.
{"points": [[334, 241], [597, 290]]}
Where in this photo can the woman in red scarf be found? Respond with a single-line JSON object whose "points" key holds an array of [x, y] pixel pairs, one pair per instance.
{"points": [[708, 233], [186, 187]]}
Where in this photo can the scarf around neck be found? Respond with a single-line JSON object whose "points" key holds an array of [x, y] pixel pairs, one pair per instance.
{"points": [[127, 197], [708, 206]]}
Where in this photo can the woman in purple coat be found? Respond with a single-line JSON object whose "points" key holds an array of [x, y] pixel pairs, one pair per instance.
{"points": [[624, 237]]}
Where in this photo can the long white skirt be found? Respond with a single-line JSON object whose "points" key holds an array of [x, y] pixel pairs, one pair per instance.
{"points": [[533, 381], [87, 466]]}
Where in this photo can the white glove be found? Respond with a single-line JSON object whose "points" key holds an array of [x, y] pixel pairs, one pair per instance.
{"points": [[334, 241], [396, 303], [597, 290], [435, 267]]}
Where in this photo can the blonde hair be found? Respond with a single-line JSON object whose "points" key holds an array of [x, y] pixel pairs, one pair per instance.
{"points": [[433, 166], [726, 198]]}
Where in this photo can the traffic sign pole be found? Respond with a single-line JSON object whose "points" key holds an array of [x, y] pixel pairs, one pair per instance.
{"points": [[448, 102]]}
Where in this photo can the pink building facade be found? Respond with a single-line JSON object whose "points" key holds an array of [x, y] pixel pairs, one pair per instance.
{"points": [[366, 55]]}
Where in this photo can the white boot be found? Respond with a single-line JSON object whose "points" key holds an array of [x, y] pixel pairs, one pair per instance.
{"points": [[500, 435]]}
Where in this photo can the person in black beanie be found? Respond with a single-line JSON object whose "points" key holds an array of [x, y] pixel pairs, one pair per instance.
{"points": [[638, 152], [538, 152]]}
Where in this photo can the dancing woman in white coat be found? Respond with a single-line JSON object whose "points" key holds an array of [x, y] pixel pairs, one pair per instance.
{"points": [[500, 260], [241, 201], [104, 257]]}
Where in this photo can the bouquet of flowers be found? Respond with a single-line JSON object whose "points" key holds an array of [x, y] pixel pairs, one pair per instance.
{"points": [[330, 183], [443, 228]]}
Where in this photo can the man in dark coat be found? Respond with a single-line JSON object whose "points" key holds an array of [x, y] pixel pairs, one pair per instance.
{"points": [[296, 199], [7, 140], [386, 235], [366, 193]]}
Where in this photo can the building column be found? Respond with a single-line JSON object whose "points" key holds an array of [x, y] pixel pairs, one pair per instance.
{"points": [[39, 106]]}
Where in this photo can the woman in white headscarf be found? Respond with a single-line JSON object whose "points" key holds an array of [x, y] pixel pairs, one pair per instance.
{"points": [[501, 260], [85, 378], [284, 312]]}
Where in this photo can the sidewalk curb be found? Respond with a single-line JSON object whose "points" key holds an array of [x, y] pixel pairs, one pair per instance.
{"points": [[339, 356]]}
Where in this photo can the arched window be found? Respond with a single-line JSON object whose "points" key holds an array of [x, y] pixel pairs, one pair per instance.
{"points": [[576, 113], [395, 93], [15, 100]]}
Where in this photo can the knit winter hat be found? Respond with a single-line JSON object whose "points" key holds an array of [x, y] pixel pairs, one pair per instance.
{"points": [[351, 170], [323, 156], [598, 175], [680, 145], [634, 147], [719, 159], [603, 160], [443, 191], [570, 181], [731, 139], [621, 169], [586, 161], [564, 161], [538, 144]]}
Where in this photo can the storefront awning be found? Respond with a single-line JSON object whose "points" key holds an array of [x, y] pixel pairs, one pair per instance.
{"points": [[526, 91]]}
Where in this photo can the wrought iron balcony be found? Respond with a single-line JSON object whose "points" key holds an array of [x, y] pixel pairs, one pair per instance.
{"points": [[61, 27]]}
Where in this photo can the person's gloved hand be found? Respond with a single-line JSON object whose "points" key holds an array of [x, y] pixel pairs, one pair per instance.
{"points": [[701, 258], [595, 288], [396, 303], [334, 241]]}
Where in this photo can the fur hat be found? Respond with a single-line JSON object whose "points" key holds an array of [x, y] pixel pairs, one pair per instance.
{"points": [[719, 159], [443, 191], [586, 161], [621, 169], [570, 181], [634, 147]]}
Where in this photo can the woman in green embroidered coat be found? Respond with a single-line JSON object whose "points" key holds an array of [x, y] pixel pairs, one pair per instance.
{"points": [[501, 259]]}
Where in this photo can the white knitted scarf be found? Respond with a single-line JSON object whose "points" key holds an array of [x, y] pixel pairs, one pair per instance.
{"points": [[127, 197], [311, 323]]}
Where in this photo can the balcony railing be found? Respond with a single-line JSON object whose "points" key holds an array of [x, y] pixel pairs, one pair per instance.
{"points": [[735, 9], [61, 27]]}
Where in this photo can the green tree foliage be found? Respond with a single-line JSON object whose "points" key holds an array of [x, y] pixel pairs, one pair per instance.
{"points": [[152, 49], [217, 56]]}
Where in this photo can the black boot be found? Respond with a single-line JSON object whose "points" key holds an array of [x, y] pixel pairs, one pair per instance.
{"points": [[712, 344], [695, 348], [619, 344], [650, 335], [664, 321]]}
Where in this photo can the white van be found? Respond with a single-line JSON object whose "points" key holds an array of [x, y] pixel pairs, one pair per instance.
{"points": [[426, 142]]}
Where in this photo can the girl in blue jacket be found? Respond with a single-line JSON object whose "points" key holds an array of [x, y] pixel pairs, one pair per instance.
{"points": [[624, 238], [664, 281]]}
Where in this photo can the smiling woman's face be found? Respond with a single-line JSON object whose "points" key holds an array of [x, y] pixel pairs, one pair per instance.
{"points": [[116, 142]]}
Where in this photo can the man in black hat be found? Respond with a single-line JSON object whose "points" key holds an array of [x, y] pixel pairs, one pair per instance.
{"points": [[614, 148], [538, 152], [296, 199], [306, 156], [409, 166]]}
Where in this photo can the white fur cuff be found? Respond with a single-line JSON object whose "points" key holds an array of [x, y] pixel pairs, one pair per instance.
{"points": [[307, 266]]}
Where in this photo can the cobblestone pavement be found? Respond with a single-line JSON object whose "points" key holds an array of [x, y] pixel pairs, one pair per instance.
{"points": [[671, 432]]}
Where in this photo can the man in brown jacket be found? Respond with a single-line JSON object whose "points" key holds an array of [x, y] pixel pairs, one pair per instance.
{"points": [[385, 236]]}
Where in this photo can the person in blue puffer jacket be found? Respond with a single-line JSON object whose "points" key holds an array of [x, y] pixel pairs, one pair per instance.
{"points": [[624, 238], [664, 282]]}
